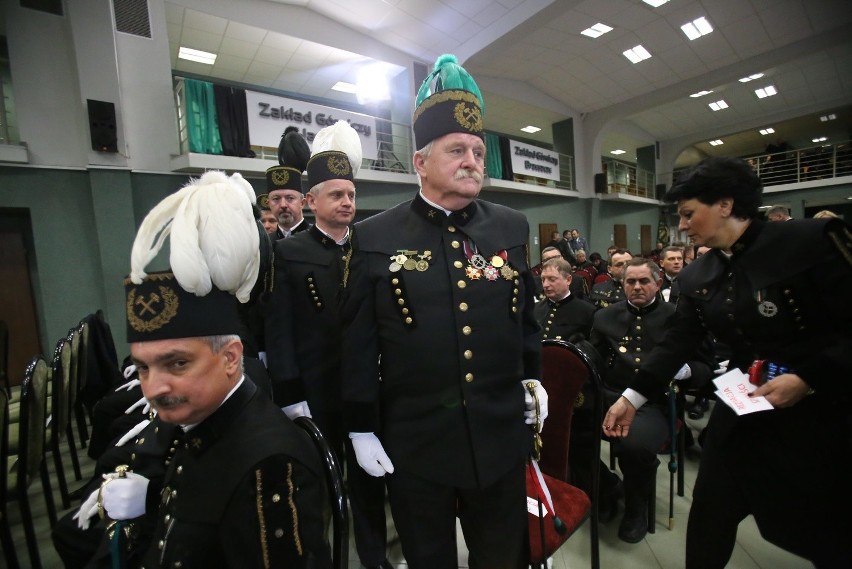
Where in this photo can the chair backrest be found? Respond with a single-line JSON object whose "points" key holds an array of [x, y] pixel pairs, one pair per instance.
{"points": [[60, 379], [566, 369], [4, 447], [336, 491], [31, 432], [4, 356], [82, 363]]}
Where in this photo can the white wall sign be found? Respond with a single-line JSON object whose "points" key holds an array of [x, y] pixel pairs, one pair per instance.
{"points": [[269, 115], [534, 161]]}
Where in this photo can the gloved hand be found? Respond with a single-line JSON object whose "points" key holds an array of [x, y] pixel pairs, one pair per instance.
{"points": [[133, 432], [370, 454], [299, 409], [87, 511], [124, 498], [529, 414], [145, 409], [128, 386], [683, 373], [723, 367]]}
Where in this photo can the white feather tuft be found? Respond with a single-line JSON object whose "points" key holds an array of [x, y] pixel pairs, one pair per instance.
{"points": [[214, 236], [341, 137]]}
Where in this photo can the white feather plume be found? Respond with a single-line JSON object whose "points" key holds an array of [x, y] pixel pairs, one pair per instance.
{"points": [[341, 137], [214, 237]]}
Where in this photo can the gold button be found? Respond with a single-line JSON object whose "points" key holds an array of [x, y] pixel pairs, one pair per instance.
{"points": [[467, 330], [178, 564], [409, 320], [515, 291], [400, 301], [637, 360], [457, 264], [167, 517], [404, 311], [161, 544], [514, 309], [133, 456], [179, 469], [455, 244], [468, 354], [310, 279], [463, 306], [462, 284], [142, 440], [451, 229], [276, 498], [395, 281], [515, 300], [468, 377], [174, 493], [279, 533], [397, 291]]}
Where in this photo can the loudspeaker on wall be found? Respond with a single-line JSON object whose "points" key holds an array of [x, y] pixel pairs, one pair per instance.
{"points": [[600, 183], [102, 128]]}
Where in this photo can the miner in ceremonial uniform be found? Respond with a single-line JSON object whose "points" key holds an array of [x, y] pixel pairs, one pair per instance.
{"points": [[608, 289], [284, 184], [303, 322], [562, 315], [242, 485], [439, 342]]}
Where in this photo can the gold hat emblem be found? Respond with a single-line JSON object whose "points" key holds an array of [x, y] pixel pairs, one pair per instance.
{"points": [[280, 177], [339, 165], [151, 312], [468, 116]]}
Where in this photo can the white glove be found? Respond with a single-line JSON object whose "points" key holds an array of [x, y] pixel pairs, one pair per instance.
{"points": [[124, 498], [683, 373], [145, 409], [370, 454], [87, 511], [529, 414], [723, 367], [128, 386], [299, 409], [132, 432]]}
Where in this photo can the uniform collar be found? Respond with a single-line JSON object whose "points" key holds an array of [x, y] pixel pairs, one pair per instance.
{"points": [[641, 311], [436, 215], [327, 240], [748, 237], [217, 425]]}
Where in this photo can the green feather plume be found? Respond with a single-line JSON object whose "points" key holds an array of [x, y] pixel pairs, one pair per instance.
{"points": [[448, 74]]}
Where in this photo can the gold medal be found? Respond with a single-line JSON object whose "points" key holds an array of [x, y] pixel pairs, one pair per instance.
{"points": [[622, 349], [401, 259], [422, 265], [507, 272], [394, 267], [478, 261], [497, 261], [409, 264]]}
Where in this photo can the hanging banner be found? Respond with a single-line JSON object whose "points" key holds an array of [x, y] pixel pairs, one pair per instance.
{"points": [[269, 115], [534, 161]]}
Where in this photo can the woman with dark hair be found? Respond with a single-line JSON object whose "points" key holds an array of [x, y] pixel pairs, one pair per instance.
{"points": [[788, 466]]}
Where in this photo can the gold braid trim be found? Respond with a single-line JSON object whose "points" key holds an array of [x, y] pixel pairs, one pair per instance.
{"points": [[444, 96], [843, 244], [347, 258], [261, 520], [297, 541]]}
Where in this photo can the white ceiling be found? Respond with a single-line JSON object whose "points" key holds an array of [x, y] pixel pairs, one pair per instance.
{"points": [[534, 67]]}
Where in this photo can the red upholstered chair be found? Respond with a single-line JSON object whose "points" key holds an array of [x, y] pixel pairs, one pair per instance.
{"points": [[566, 369]]}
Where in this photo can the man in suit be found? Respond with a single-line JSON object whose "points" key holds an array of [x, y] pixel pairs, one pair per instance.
{"points": [[284, 184], [671, 262], [608, 288], [439, 342], [241, 484], [303, 323], [561, 315]]}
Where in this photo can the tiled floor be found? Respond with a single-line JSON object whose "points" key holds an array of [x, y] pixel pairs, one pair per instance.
{"points": [[661, 550]]}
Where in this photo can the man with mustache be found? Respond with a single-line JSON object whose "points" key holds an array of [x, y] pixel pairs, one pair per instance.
{"points": [[241, 484], [284, 184], [439, 341]]}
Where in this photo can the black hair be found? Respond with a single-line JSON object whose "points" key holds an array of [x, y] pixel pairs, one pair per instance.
{"points": [[717, 178]]}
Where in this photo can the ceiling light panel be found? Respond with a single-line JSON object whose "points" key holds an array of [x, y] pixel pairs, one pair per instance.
{"points": [[767, 91], [617, 152], [826, 118], [597, 30], [197, 55], [697, 28], [655, 3], [700, 94], [530, 129], [716, 142], [637, 54], [751, 77], [767, 130], [718, 105]]}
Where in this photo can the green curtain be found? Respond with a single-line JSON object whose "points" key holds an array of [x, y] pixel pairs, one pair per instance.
{"points": [[493, 162], [201, 118]]}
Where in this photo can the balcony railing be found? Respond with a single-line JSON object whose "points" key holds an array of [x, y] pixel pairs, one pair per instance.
{"points": [[808, 164], [622, 178]]}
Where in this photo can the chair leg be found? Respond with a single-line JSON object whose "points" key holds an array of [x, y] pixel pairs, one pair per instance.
{"points": [[75, 460], [681, 461], [60, 473], [48, 494], [81, 415], [7, 542], [29, 531], [652, 508]]}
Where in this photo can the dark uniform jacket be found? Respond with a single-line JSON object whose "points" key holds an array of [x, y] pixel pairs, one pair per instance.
{"points": [[563, 319], [303, 225], [624, 335], [607, 292], [303, 325], [455, 341], [244, 488], [673, 286]]}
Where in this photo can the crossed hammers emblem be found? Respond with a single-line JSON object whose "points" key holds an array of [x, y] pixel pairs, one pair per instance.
{"points": [[146, 306]]}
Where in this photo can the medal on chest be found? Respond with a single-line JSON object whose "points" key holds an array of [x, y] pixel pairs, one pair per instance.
{"points": [[491, 269], [410, 260], [765, 308]]}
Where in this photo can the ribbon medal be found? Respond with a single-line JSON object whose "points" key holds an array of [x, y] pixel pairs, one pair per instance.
{"points": [[410, 260], [491, 269]]}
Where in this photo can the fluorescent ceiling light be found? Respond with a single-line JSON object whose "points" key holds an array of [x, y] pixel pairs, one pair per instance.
{"points": [[751, 77], [637, 54], [697, 28], [655, 3], [372, 84], [820, 139], [767, 91], [530, 129], [344, 87], [718, 105], [716, 142], [700, 94], [826, 118], [597, 30], [767, 130], [619, 151], [197, 55]]}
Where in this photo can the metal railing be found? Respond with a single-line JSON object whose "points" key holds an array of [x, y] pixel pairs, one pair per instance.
{"points": [[622, 178], [804, 165]]}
